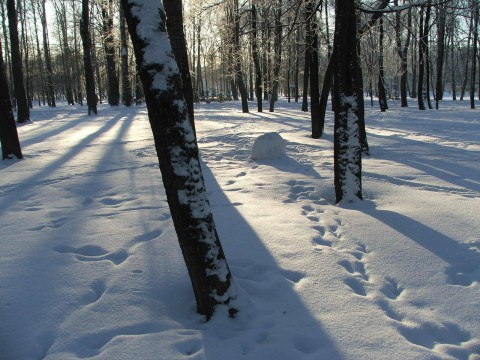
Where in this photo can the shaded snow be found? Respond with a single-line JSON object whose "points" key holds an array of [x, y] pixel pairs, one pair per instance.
{"points": [[90, 266]]}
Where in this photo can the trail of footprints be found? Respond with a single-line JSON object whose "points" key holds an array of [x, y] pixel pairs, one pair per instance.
{"points": [[329, 237]]}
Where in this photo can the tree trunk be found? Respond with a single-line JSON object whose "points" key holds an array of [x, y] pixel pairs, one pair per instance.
{"points": [[421, 62], [87, 59], [48, 59], [474, 53], [440, 54], [402, 50], [382, 96], [109, 47], [173, 9], [308, 59], [277, 61], [126, 83], [8, 128], [317, 127], [256, 61], [177, 153], [23, 112], [347, 145]]}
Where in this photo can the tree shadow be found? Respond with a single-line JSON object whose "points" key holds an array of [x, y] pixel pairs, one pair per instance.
{"points": [[463, 263], [271, 309]]}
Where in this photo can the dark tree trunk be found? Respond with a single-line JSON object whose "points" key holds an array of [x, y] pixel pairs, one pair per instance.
{"points": [[382, 96], [256, 61], [48, 59], [440, 54], [126, 83], [474, 53], [421, 62], [402, 50], [327, 85], [347, 145], [177, 153], [314, 89], [306, 68], [109, 47], [277, 54], [23, 112], [67, 55], [8, 128], [173, 9], [87, 59]]}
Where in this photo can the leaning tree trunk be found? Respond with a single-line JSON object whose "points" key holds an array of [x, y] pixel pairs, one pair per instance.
{"points": [[173, 9], [347, 144], [177, 153], [23, 112], [87, 59], [8, 128]]}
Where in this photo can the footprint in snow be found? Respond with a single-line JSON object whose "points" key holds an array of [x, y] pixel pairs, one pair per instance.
{"points": [[91, 253]]}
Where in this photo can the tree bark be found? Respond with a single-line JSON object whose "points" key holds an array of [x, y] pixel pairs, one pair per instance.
{"points": [[23, 112], [440, 54], [48, 59], [8, 129], [87, 59], [127, 98], [277, 60], [173, 9], [256, 61], [347, 145], [474, 53], [382, 96], [109, 47], [177, 153]]}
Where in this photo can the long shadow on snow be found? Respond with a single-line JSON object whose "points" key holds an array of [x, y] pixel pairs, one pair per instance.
{"points": [[258, 274], [433, 159], [463, 268], [38, 279]]}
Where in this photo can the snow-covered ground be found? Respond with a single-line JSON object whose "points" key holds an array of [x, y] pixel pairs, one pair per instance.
{"points": [[90, 266]]}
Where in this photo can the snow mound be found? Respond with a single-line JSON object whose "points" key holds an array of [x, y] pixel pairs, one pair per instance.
{"points": [[268, 146]]}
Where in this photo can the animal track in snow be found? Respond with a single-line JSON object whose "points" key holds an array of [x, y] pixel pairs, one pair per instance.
{"points": [[97, 289], [90, 253]]}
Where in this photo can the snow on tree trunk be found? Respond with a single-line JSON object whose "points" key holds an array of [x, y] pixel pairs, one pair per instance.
{"points": [[347, 144], [177, 153]]}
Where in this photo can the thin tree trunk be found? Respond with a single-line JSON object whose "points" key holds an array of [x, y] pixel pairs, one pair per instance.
{"points": [[474, 53], [277, 61], [382, 96], [87, 59], [126, 83], [108, 45], [48, 59], [421, 62], [440, 54], [256, 61], [23, 112]]}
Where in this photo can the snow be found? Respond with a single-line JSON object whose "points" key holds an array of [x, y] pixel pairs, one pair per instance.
{"points": [[90, 266], [268, 146]]}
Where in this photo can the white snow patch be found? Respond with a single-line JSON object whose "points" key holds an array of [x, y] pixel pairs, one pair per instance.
{"points": [[268, 146]]}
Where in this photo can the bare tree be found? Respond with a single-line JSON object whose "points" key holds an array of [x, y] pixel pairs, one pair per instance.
{"points": [[177, 153], [87, 58]]}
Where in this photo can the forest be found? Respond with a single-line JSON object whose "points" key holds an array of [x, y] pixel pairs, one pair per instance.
{"points": [[334, 142]]}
